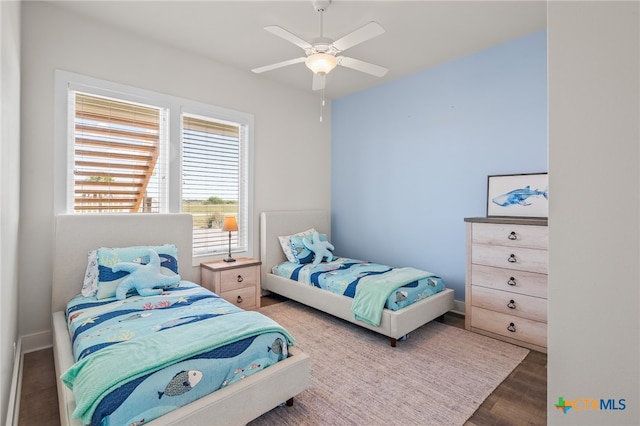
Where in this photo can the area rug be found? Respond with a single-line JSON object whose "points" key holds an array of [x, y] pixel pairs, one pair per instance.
{"points": [[438, 376]]}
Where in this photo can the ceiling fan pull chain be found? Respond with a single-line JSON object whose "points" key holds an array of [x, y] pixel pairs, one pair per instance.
{"points": [[322, 105]]}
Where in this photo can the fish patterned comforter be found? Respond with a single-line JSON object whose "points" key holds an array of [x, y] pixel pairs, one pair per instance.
{"points": [[347, 277], [139, 358]]}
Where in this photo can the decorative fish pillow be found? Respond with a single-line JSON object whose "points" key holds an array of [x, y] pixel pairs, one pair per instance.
{"points": [[147, 279], [107, 258], [301, 253], [285, 243], [321, 248]]}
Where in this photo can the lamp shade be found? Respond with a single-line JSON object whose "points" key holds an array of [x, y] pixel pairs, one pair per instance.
{"points": [[230, 224], [321, 62]]}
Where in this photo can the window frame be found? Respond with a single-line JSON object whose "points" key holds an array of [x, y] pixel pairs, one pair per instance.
{"points": [[94, 96], [66, 81]]}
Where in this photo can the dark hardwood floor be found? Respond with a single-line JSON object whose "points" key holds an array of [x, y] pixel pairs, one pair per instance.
{"points": [[520, 400]]}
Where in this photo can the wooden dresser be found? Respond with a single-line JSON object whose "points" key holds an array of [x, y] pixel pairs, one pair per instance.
{"points": [[237, 282], [506, 280]]}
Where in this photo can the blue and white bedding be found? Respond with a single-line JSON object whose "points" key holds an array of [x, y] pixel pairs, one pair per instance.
{"points": [[372, 286], [139, 358]]}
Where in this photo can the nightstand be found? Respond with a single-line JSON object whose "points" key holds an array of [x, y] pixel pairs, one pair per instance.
{"points": [[237, 282]]}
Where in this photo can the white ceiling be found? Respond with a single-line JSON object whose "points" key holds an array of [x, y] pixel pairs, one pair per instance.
{"points": [[419, 34]]}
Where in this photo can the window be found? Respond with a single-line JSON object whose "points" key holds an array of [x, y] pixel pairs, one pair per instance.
{"points": [[211, 178], [133, 151], [116, 151]]}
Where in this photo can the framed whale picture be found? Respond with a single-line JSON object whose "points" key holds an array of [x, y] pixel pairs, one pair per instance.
{"points": [[523, 195]]}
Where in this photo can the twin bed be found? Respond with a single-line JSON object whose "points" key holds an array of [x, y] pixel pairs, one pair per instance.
{"points": [[281, 370], [248, 397], [393, 323]]}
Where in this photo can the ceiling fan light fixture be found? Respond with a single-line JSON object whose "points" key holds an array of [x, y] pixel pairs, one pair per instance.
{"points": [[321, 62]]}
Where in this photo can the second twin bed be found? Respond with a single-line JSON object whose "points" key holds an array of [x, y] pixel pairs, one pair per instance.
{"points": [[408, 298]]}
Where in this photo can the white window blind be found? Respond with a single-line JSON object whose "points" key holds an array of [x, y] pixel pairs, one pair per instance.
{"points": [[117, 146], [213, 181]]}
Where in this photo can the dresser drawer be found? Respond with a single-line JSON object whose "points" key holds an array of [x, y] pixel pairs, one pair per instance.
{"points": [[529, 307], [510, 326], [511, 235], [517, 258], [529, 283], [242, 297], [238, 278]]}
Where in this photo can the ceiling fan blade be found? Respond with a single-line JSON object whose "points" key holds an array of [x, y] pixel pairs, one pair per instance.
{"points": [[364, 33], [282, 33], [278, 65], [365, 67], [319, 81]]}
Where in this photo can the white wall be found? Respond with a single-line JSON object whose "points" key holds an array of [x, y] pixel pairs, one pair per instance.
{"points": [[9, 191], [594, 297], [288, 135]]}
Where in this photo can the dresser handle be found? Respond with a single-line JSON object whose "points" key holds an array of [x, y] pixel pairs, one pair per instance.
{"points": [[239, 299], [512, 258], [511, 304], [240, 279], [513, 235], [512, 327], [512, 281]]}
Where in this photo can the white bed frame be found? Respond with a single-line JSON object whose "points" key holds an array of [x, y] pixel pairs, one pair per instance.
{"points": [[236, 404], [394, 324]]}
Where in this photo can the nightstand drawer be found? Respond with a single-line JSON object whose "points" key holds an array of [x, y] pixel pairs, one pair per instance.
{"points": [[510, 326], [529, 283], [238, 278], [243, 297], [533, 308]]}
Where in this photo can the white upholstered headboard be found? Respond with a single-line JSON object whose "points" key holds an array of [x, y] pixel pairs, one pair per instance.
{"points": [[275, 224], [76, 235]]}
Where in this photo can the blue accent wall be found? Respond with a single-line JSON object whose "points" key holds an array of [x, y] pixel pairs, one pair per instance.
{"points": [[410, 158]]}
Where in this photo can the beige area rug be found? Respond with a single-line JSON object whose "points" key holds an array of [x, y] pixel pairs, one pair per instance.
{"points": [[439, 376]]}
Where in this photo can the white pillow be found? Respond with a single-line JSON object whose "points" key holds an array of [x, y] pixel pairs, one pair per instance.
{"points": [[90, 285], [285, 242]]}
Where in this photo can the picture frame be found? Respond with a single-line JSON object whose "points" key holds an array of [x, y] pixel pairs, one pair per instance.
{"points": [[523, 195]]}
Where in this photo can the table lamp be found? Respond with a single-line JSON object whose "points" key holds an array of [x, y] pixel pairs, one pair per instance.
{"points": [[229, 225]]}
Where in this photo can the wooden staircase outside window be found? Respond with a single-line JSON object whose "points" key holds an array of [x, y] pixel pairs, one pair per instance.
{"points": [[116, 153]]}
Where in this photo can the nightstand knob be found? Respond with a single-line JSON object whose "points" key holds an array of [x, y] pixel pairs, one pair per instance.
{"points": [[513, 236], [512, 327], [240, 279], [512, 281], [512, 259], [239, 299], [511, 304]]}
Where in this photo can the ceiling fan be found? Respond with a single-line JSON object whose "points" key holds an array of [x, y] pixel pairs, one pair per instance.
{"points": [[323, 54]]}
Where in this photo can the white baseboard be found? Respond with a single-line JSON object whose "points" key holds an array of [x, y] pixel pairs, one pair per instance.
{"points": [[458, 307], [25, 344], [36, 341], [13, 408]]}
